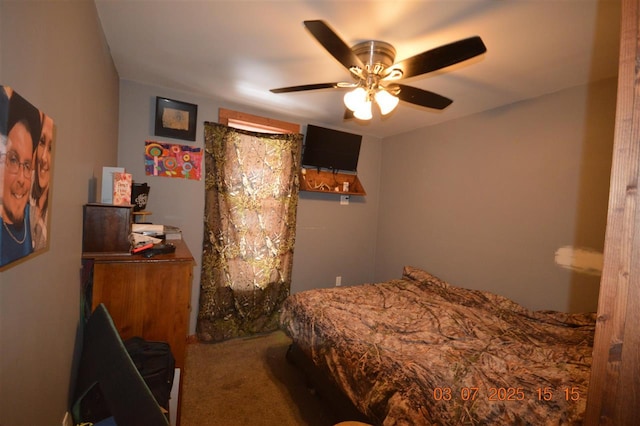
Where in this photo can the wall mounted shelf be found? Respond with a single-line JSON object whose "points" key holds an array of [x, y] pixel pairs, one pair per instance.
{"points": [[314, 180]]}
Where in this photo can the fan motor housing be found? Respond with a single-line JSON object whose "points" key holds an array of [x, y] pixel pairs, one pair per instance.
{"points": [[376, 55]]}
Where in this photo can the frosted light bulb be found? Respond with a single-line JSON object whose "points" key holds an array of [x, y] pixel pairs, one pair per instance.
{"points": [[386, 101], [355, 98], [364, 111]]}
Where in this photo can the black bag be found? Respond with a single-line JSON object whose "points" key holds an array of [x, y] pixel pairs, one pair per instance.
{"points": [[108, 383], [156, 365]]}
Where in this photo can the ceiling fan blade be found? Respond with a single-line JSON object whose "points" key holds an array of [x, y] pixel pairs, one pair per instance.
{"points": [[422, 97], [440, 57], [348, 114], [306, 87], [334, 44]]}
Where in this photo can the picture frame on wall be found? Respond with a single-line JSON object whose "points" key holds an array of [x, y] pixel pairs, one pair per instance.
{"points": [[175, 119], [26, 178]]}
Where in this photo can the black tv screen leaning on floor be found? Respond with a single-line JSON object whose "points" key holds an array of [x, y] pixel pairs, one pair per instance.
{"points": [[331, 149]]}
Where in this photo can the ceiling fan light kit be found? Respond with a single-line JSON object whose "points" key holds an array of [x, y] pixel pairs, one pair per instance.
{"points": [[371, 64], [386, 101], [377, 57], [359, 101], [364, 111]]}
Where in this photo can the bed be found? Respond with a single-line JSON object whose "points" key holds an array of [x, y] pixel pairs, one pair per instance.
{"points": [[420, 351]]}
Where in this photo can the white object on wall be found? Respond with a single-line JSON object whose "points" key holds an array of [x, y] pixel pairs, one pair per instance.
{"points": [[583, 260]]}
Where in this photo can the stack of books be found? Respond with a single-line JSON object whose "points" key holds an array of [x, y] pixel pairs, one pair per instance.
{"points": [[172, 232], [163, 232]]}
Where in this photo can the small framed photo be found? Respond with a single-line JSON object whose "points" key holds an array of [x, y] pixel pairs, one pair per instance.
{"points": [[175, 119]]}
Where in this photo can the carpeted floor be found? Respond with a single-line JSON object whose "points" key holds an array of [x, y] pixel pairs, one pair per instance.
{"points": [[247, 381]]}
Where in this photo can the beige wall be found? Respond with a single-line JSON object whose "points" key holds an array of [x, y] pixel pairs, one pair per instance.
{"points": [[339, 240], [53, 53], [486, 201]]}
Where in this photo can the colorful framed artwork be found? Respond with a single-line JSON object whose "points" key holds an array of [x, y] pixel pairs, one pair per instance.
{"points": [[26, 177], [175, 119], [172, 160]]}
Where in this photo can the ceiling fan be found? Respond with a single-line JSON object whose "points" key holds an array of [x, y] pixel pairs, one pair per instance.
{"points": [[371, 64]]}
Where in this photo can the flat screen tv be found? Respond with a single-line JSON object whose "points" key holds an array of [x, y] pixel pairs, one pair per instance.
{"points": [[331, 149]]}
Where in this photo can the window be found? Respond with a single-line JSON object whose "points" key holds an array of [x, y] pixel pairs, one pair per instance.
{"points": [[244, 121]]}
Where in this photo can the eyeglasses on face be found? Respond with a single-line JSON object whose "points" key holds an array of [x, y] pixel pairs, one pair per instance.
{"points": [[13, 165]]}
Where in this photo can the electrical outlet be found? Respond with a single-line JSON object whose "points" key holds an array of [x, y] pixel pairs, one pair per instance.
{"points": [[338, 281]]}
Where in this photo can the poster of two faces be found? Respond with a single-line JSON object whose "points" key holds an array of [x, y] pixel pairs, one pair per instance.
{"points": [[26, 166]]}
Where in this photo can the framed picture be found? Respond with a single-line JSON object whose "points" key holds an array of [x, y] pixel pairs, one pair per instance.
{"points": [[26, 178], [175, 119]]}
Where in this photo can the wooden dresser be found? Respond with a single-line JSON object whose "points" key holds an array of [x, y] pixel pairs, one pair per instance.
{"points": [[146, 297]]}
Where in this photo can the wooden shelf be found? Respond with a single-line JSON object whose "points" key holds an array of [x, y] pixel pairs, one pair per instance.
{"points": [[329, 182]]}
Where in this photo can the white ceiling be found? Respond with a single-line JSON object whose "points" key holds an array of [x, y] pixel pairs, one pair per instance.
{"points": [[235, 51]]}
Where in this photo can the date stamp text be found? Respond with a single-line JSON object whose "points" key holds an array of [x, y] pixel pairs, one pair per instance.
{"points": [[568, 393]]}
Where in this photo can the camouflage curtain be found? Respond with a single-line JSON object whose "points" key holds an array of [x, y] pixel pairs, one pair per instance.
{"points": [[251, 196]]}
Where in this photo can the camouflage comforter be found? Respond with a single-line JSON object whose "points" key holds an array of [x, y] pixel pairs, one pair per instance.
{"points": [[418, 351]]}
